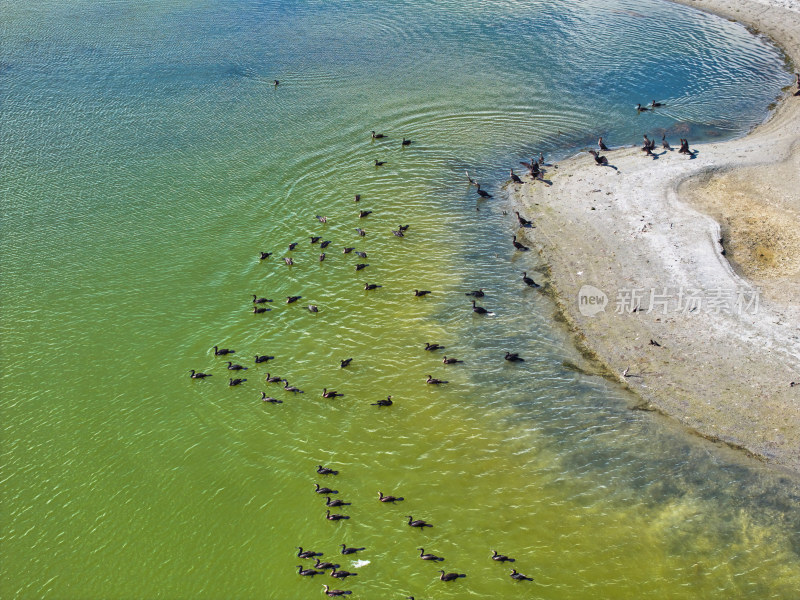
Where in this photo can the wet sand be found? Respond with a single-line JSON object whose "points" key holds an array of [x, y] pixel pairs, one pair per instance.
{"points": [[699, 260]]}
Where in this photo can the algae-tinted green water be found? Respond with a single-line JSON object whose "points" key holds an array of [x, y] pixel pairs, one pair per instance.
{"points": [[148, 158]]}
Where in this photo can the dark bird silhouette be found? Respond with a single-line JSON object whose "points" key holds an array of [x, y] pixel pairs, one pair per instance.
{"points": [[291, 388], [276, 82], [434, 381], [313, 308], [263, 359], [324, 490], [337, 502], [470, 179], [307, 553], [269, 399], [315, 238], [290, 299], [483, 193], [601, 145], [292, 246], [360, 253], [518, 245], [419, 293], [257, 310], [345, 362], [233, 367], [372, 286], [196, 375], [647, 142], [655, 343], [361, 232], [377, 136], [640, 108], [271, 379], [477, 293], [655, 104], [513, 357], [528, 280], [321, 257], [347, 250], [450, 576], [406, 142], [451, 361], [288, 260], [346, 550], [417, 522], [331, 394], [664, 143], [478, 309], [522, 220], [424, 556], [431, 347], [325, 565], [514, 177], [387, 402], [223, 351], [308, 572], [519, 576], [334, 517], [334, 593], [357, 198], [264, 255], [364, 213], [233, 382], [360, 266], [501, 557], [322, 219], [379, 163], [403, 227], [326, 471], [325, 244], [599, 160], [398, 233], [342, 574], [383, 498]]}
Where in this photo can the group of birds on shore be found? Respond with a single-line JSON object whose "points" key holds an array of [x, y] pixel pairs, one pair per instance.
{"points": [[648, 146]]}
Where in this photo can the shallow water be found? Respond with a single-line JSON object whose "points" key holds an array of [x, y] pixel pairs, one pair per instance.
{"points": [[148, 158]]}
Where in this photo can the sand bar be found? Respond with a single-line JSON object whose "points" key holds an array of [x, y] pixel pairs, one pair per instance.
{"points": [[699, 255]]}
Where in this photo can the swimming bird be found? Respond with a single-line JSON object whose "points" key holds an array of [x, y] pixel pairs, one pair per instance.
{"points": [[514, 177], [601, 145], [291, 388], [424, 556], [325, 565], [263, 255], [398, 233], [478, 309], [513, 357], [257, 300], [290, 299], [288, 260], [334, 517], [501, 557], [337, 502], [522, 220], [292, 246], [470, 179], [383, 498], [257, 310], [276, 82], [640, 108], [324, 490], [324, 244], [313, 308], [357, 198], [483, 193], [360, 253], [419, 293], [196, 375], [326, 471], [431, 347], [360, 266], [263, 359], [269, 399], [308, 572], [271, 379], [322, 219], [344, 363], [233, 367], [406, 142], [417, 522], [450, 576], [334, 593], [331, 394], [346, 550], [223, 351], [379, 163], [342, 574], [664, 143], [377, 136], [387, 402], [233, 382], [451, 361], [528, 280], [372, 286], [655, 104], [477, 293], [307, 553], [347, 250], [403, 227], [434, 381], [519, 576], [361, 232], [315, 238], [600, 160], [321, 257], [364, 213], [518, 245]]}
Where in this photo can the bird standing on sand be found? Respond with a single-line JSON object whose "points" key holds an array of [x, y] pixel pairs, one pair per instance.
{"points": [[601, 145], [514, 177], [598, 159]]}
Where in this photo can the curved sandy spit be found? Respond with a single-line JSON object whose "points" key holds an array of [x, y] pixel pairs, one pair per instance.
{"points": [[665, 228]]}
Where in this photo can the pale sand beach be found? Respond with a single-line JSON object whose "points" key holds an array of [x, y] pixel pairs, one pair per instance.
{"points": [[708, 248]]}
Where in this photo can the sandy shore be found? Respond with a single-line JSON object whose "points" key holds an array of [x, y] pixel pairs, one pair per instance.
{"points": [[698, 261]]}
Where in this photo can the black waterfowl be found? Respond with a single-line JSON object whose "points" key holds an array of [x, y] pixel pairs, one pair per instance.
{"points": [[233, 367], [271, 379], [322, 219], [598, 159], [290, 299], [514, 177], [640, 108], [307, 553], [196, 375], [325, 244], [345, 362], [335, 517], [383, 498], [387, 402], [233, 382], [223, 351], [263, 359], [325, 565], [434, 381], [342, 574], [470, 179], [361, 232], [424, 556], [288, 260], [264, 255], [269, 399], [406, 142], [417, 522], [398, 233], [379, 163], [601, 145], [331, 394], [377, 136], [522, 220], [478, 309], [655, 104], [347, 250], [518, 245], [346, 550], [483, 193], [451, 361], [324, 490], [501, 557], [421, 292], [291, 388], [360, 266], [334, 593], [257, 310], [315, 238], [372, 286], [292, 246], [257, 300], [357, 198], [275, 82], [308, 572], [313, 308], [326, 471], [450, 576], [647, 142], [337, 502], [364, 213], [655, 343], [528, 281], [403, 227], [519, 576], [431, 347], [321, 257], [513, 357], [360, 253], [664, 143], [477, 293]]}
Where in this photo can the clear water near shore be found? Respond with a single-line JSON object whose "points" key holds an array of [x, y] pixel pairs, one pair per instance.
{"points": [[148, 158]]}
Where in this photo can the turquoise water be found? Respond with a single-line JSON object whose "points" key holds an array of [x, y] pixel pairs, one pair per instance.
{"points": [[148, 158]]}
